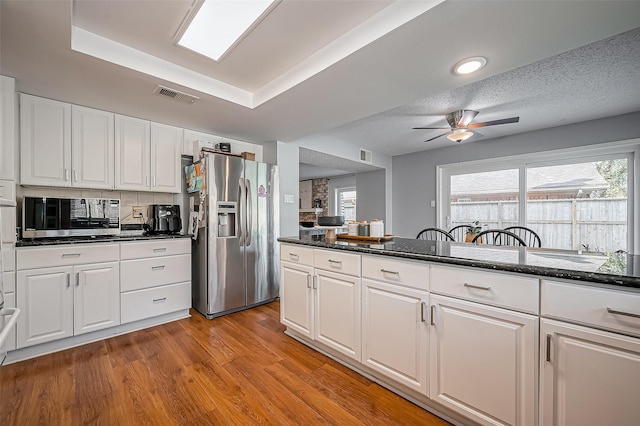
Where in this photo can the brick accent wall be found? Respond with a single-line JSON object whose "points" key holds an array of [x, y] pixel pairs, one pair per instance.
{"points": [[320, 190]]}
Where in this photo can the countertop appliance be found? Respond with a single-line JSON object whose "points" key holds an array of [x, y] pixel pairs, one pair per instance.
{"points": [[164, 219], [45, 217], [8, 316], [235, 257]]}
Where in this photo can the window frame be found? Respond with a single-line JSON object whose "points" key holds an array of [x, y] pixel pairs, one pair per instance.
{"points": [[629, 149], [336, 197]]}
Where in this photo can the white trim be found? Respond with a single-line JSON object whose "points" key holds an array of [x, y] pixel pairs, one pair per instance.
{"points": [[629, 148]]}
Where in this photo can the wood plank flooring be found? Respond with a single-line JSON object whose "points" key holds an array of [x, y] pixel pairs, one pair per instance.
{"points": [[240, 369]]}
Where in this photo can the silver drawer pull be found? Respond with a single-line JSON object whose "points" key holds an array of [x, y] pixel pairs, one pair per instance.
{"points": [[339, 262], [293, 255], [155, 250], [626, 314], [157, 268], [71, 254], [161, 300], [386, 271], [477, 287]]}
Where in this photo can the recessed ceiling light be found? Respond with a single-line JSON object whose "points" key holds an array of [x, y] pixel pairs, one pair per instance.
{"points": [[469, 65], [219, 24]]}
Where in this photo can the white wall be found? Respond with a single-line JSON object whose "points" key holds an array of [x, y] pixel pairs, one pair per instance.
{"points": [[414, 176], [286, 157], [370, 188]]}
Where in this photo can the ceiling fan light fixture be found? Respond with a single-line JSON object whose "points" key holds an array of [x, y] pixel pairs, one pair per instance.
{"points": [[460, 135], [469, 65]]}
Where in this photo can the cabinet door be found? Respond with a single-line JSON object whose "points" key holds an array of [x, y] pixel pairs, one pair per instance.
{"points": [[132, 153], [296, 297], [96, 297], [7, 127], [394, 332], [166, 144], [589, 377], [45, 298], [483, 362], [45, 142], [337, 312], [92, 148]]}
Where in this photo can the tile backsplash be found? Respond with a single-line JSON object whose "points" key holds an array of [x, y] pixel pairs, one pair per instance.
{"points": [[128, 199]]}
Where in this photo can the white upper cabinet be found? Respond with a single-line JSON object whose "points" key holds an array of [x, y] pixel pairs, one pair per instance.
{"points": [[7, 127], [132, 153], [92, 148], [45, 142], [147, 155], [166, 145]]}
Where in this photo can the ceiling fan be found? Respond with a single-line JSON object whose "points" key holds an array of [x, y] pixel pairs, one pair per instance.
{"points": [[460, 125]]}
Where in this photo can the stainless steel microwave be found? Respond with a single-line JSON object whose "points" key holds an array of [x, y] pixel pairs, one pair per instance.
{"points": [[45, 217]]}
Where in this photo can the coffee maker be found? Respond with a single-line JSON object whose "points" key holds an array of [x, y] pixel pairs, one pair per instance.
{"points": [[164, 219]]}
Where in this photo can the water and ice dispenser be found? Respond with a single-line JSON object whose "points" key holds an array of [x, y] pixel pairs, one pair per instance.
{"points": [[227, 212]]}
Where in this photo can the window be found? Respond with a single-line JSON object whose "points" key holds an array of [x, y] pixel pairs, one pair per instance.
{"points": [[571, 202], [346, 203]]}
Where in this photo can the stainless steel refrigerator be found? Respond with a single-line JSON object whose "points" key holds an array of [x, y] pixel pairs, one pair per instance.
{"points": [[235, 256]]}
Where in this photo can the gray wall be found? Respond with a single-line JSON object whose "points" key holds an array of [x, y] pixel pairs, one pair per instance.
{"points": [[414, 175], [286, 157], [370, 188]]}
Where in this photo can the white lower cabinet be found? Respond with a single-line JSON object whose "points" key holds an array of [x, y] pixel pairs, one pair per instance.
{"points": [[319, 304], [66, 301], [482, 361], [395, 332]]}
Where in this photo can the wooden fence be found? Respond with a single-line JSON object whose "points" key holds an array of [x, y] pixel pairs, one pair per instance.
{"points": [[599, 224]]}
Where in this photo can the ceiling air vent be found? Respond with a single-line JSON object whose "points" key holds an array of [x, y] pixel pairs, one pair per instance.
{"points": [[176, 94], [365, 156]]}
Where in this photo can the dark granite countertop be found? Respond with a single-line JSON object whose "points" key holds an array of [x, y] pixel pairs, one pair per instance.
{"points": [[85, 240], [616, 269]]}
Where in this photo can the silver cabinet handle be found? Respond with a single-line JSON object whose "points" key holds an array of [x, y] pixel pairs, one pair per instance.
{"points": [[146, 180], [157, 268], [315, 281], [71, 254], [548, 348], [339, 262], [477, 287], [626, 314], [386, 271], [68, 280], [66, 174], [423, 305], [293, 256], [75, 175], [161, 300], [433, 314], [154, 181], [308, 280], [155, 250], [77, 279]]}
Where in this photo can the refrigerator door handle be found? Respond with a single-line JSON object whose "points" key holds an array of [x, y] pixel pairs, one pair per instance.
{"points": [[241, 224], [249, 219]]}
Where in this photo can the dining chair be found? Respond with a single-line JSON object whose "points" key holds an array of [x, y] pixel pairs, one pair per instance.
{"points": [[529, 236], [459, 232], [434, 234], [499, 237]]}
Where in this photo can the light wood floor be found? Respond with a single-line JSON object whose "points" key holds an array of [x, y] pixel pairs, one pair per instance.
{"points": [[239, 369]]}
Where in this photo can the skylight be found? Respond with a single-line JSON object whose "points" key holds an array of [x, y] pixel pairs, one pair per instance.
{"points": [[219, 24]]}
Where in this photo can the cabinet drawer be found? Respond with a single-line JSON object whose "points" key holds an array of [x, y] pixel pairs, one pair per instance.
{"points": [[506, 290], [42, 257], [332, 260], [145, 273], [164, 247], [592, 306], [151, 302], [296, 254], [403, 272], [9, 282], [8, 259]]}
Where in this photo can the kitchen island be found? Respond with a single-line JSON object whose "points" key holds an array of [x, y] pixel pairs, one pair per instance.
{"points": [[474, 333]]}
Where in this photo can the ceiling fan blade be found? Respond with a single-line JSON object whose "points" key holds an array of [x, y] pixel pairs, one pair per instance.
{"points": [[436, 137], [466, 118], [494, 122], [431, 128]]}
